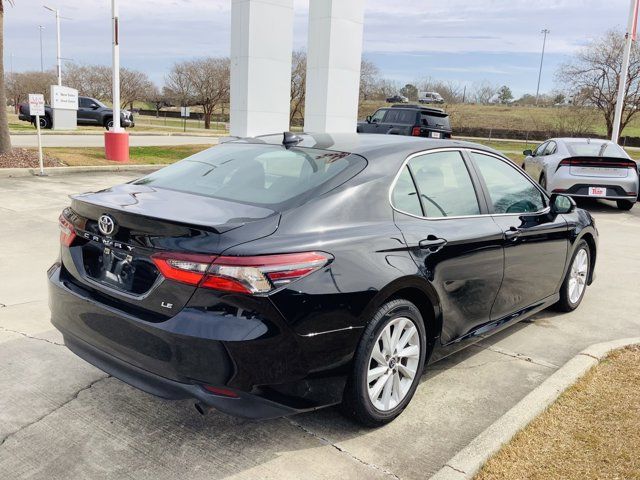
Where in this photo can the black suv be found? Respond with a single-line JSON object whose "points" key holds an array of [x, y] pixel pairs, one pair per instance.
{"points": [[90, 112], [413, 120]]}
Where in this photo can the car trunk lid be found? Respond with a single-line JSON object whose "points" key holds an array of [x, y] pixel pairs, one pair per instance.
{"points": [[146, 221]]}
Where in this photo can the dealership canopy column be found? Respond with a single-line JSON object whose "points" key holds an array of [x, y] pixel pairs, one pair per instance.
{"points": [[334, 54], [261, 45]]}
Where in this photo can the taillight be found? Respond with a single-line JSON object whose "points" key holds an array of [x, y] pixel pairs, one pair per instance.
{"points": [[596, 162], [257, 274], [415, 132], [67, 232]]}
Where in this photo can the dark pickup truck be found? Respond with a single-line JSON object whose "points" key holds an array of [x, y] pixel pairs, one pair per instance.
{"points": [[413, 120], [90, 112]]}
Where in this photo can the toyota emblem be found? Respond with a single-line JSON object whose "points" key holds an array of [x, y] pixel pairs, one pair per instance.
{"points": [[106, 225]]}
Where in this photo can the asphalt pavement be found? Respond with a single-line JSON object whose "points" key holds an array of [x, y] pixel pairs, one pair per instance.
{"points": [[61, 418]]}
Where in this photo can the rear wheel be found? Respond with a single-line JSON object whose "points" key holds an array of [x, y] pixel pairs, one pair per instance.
{"points": [[624, 204], [387, 365], [45, 122], [575, 283]]}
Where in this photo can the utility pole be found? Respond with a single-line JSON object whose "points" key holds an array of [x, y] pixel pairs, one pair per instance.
{"points": [[58, 55], [544, 44], [40, 27], [622, 86]]}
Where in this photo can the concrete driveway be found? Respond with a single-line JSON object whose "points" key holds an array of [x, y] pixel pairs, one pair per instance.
{"points": [[61, 418], [97, 140]]}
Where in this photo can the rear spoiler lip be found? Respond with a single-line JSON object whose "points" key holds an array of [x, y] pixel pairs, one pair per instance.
{"points": [[587, 161]]}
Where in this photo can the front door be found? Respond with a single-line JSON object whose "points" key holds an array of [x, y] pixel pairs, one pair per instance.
{"points": [[535, 242], [455, 244]]}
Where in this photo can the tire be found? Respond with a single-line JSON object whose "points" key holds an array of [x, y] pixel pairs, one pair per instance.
{"points": [[357, 400], [568, 301], [543, 181], [45, 122], [108, 123], [624, 204]]}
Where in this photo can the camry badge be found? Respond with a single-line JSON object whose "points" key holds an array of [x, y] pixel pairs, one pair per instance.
{"points": [[106, 225]]}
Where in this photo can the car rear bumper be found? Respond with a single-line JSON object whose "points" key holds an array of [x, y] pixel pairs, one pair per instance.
{"points": [[618, 188], [176, 358]]}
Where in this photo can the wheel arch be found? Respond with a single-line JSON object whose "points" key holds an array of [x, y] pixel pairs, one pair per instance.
{"points": [[593, 251], [419, 292]]}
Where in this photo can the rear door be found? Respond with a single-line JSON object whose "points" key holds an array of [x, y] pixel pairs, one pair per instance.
{"points": [[398, 121], [535, 243], [456, 246]]}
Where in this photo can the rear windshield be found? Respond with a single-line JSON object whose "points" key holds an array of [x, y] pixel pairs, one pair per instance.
{"points": [[582, 148], [434, 120], [263, 175]]}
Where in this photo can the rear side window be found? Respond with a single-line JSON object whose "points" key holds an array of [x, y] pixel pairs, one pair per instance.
{"points": [[436, 121], [404, 196], [444, 184], [264, 175], [510, 190]]}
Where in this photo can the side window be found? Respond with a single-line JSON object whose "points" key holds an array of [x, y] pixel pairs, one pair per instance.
{"points": [[378, 116], [551, 148], [404, 196], [510, 190], [392, 116], [541, 148], [406, 117], [444, 185], [83, 102]]}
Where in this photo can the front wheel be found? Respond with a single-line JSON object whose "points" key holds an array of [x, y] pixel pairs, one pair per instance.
{"points": [[108, 124], [575, 282], [624, 204], [387, 365]]}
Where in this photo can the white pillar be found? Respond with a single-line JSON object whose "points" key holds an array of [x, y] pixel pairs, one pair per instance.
{"points": [[115, 67], [334, 54], [261, 46]]}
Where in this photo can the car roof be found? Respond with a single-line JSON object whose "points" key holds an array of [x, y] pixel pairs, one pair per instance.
{"points": [[580, 139], [368, 145]]}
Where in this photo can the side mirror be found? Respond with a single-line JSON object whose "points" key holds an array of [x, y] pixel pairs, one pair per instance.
{"points": [[527, 153], [562, 204], [94, 106], [368, 118]]}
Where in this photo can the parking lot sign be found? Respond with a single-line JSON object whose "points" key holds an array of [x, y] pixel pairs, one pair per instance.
{"points": [[36, 104]]}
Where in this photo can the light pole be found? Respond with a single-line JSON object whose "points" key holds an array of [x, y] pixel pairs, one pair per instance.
{"points": [[622, 85], [544, 44], [115, 13], [58, 55], [40, 27]]}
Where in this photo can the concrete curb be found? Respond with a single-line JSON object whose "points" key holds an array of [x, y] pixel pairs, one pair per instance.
{"points": [[55, 171], [466, 463]]}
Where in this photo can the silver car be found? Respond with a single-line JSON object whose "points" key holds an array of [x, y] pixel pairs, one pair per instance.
{"points": [[583, 167]]}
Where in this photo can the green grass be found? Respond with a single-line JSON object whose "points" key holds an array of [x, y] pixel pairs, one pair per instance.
{"points": [[90, 156]]}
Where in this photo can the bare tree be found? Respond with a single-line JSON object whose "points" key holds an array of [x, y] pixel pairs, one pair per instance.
{"points": [[5, 139], [19, 85], [134, 86], [592, 77], [90, 80], [203, 82], [484, 92], [298, 86], [369, 78]]}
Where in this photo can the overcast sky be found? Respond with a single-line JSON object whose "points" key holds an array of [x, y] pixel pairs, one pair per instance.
{"points": [[465, 41]]}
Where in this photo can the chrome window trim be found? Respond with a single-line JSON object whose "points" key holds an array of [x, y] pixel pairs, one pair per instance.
{"points": [[467, 150]]}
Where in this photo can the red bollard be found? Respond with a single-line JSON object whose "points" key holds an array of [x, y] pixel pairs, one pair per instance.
{"points": [[116, 146]]}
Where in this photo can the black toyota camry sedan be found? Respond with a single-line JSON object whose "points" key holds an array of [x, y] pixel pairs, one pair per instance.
{"points": [[280, 274]]}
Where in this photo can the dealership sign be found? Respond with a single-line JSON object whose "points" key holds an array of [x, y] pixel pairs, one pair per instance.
{"points": [[64, 98]]}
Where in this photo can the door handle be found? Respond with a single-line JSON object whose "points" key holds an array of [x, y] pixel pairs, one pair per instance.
{"points": [[432, 243], [512, 234]]}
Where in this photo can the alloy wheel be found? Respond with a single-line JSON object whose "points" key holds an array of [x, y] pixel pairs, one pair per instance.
{"points": [[578, 275], [393, 363]]}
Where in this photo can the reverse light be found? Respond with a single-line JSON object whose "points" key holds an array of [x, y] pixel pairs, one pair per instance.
{"points": [[67, 232], [252, 275]]}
